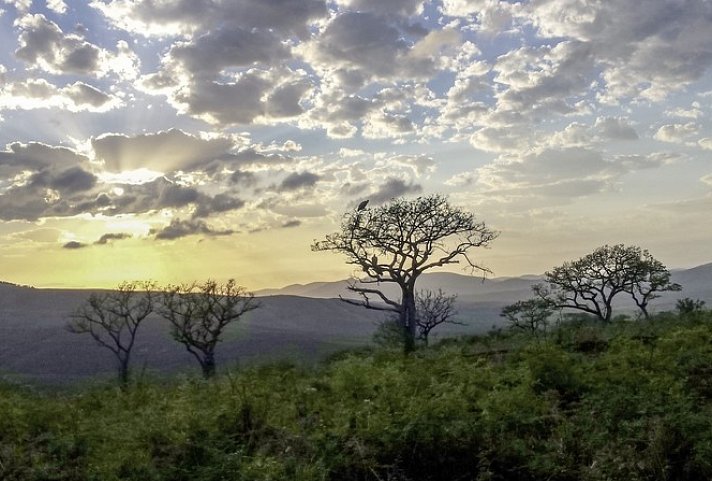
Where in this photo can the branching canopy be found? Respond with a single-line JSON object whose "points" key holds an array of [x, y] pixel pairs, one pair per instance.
{"points": [[590, 283], [199, 313]]}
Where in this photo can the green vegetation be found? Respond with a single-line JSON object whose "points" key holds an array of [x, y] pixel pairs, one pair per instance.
{"points": [[587, 401]]}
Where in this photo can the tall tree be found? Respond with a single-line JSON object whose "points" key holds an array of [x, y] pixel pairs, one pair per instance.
{"points": [[590, 284], [112, 319], [398, 241], [199, 314]]}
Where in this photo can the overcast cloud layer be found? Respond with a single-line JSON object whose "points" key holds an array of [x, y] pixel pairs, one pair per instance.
{"points": [[554, 120]]}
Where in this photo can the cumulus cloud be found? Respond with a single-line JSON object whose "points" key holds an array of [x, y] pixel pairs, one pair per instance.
{"points": [[217, 205], [561, 172], [297, 181], [57, 6], [251, 96], [40, 94], [420, 164], [164, 151], [676, 133], [74, 245], [393, 188], [44, 46], [615, 128], [630, 43], [183, 228], [171, 17], [36, 156], [112, 236], [391, 7], [291, 223]]}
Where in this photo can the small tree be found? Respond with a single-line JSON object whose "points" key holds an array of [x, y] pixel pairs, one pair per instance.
{"points": [[650, 277], [434, 309], [590, 283], [688, 307], [396, 242], [113, 318], [199, 314], [530, 316]]}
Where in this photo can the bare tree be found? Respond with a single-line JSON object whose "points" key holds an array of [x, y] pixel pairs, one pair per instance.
{"points": [[434, 309], [396, 242], [199, 314], [530, 316], [112, 319], [590, 283]]}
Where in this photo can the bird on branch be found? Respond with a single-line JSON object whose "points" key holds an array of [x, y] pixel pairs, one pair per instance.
{"points": [[362, 205]]}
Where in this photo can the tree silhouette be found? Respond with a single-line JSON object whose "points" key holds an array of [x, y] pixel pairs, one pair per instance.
{"points": [[433, 309], [396, 242], [199, 314], [531, 315], [112, 319], [590, 284]]}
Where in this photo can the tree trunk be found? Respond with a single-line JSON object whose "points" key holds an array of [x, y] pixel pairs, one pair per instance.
{"points": [[123, 374], [408, 316], [208, 365]]}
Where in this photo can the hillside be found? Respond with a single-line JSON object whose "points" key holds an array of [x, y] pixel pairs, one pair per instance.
{"points": [[300, 321], [637, 407], [474, 292]]}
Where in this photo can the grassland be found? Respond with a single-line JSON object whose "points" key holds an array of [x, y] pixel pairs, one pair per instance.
{"points": [[628, 401]]}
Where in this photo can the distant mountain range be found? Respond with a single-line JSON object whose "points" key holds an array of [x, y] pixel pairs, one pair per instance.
{"points": [[297, 321], [499, 291]]}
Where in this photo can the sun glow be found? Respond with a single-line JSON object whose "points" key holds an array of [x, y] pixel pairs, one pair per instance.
{"points": [[133, 177]]}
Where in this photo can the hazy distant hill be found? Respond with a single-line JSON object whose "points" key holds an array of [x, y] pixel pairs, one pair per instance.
{"points": [[303, 321], [498, 291]]}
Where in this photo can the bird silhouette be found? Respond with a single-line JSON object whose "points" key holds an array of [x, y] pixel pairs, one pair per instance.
{"points": [[362, 205]]}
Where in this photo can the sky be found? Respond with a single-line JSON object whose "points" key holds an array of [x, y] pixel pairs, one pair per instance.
{"points": [[180, 140]]}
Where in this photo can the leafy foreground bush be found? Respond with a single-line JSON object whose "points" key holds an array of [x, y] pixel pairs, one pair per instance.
{"points": [[640, 408]]}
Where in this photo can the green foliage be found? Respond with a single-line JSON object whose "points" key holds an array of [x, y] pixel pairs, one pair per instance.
{"points": [[498, 407]]}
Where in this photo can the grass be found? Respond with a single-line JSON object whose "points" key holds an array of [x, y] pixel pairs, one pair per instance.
{"points": [[629, 401]]}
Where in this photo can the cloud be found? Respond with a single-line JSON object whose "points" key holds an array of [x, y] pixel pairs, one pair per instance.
{"points": [[40, 94], [615, 128], [391, 7], [164, 151], [58, 6], [368, 47], [645, 52], [297, 181], [217, 205], [74, 245], [71, 180], [112, 236], [561, 172], [419, 164], [227, 46], [43, 45], [35, 156], [291, 223], [393, 188], [253, 96], [705, 143], [676, 133], [173, 17], [183, 228]]}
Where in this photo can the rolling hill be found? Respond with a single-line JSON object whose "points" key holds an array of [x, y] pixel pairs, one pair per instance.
{"points": [[297, 321]]}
